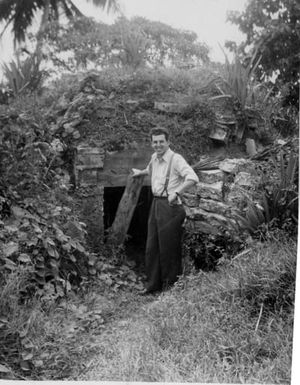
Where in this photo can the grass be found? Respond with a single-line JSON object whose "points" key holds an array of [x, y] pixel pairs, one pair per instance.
{"points": [[230, 326], [212, 327]]}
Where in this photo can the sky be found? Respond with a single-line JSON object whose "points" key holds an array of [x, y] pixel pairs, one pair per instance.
{"points": [[205, 17]]}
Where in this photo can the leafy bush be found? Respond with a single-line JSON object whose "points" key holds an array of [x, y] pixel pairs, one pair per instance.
{"points": [[278, 207], [207, 251], [23, 76], [237, 81], [38, 227], [249, 99]]}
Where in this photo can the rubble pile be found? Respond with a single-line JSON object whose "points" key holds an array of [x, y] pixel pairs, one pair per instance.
{"points": [[118, 114]]}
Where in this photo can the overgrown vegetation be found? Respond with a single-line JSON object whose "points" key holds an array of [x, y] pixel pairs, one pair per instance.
{"points": [[45, 336], [67, 312], [278, 205], [234, 325], [47, 268], [271, 28], [133, 43]]}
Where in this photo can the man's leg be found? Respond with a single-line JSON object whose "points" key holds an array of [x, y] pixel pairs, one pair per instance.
{"points": [[170, 230], [152, 255]]}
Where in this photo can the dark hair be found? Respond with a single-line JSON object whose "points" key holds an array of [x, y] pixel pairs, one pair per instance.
{"points": [[159, 130]]}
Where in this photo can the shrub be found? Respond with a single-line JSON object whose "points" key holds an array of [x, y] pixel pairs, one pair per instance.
{"points": [[23, 76], [206, 251], [278, 207]]}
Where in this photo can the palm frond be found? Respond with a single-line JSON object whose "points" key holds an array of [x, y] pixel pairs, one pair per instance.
{"points": [[23, 15], [6, 8], [69, 8], [110, 5]]}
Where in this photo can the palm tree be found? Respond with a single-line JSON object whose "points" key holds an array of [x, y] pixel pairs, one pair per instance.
{"points": [[20, 13]]}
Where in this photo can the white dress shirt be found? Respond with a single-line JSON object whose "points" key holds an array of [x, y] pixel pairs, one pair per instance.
{"points": [[179, 173]]}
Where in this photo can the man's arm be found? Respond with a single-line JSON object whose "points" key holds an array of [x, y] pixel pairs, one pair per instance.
{"points": [[189, 175], [136, 172], [186, 185]]}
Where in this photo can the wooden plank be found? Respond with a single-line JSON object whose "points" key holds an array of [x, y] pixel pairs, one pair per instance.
{"points": [[128, 202]]}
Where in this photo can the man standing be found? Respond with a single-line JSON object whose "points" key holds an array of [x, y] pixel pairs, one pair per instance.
{"points": [[171, 176]]}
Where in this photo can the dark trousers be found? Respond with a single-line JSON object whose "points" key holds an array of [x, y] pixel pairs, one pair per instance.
{"points": [[163, 248]]}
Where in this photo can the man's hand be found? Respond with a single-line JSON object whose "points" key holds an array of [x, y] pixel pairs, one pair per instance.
{"points": [[136, 172], [172, 198]]}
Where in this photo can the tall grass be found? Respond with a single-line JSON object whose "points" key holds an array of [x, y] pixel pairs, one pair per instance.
{"points": [[233, 326]]}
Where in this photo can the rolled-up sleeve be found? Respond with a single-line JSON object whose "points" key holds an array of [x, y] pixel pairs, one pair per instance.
{"points": [[185, 170], [150, 165]]}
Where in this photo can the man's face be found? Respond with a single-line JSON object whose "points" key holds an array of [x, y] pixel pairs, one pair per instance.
{"points": [[159, 144]]}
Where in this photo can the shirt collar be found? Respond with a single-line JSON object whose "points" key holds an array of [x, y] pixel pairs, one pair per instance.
{"points": [[166, 157]]}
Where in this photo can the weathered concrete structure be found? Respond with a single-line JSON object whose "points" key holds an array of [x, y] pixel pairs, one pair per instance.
{"points": [[210, 207], [108, 126]]}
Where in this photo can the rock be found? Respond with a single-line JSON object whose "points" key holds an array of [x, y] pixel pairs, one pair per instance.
{"points": [[211, 191], [212, 219], [200, 227], [191, 200], [232, 166], [245, 179], [219, 134], [242, 190], [211, 176], [238, 197], [215, 206]]}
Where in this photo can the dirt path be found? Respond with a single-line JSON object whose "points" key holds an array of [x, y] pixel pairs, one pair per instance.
{"points": [[123, 311]]}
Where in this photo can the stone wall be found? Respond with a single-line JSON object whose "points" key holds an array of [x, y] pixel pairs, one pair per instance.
{"points": [[221, 194], [89, 193], [211, 207]]}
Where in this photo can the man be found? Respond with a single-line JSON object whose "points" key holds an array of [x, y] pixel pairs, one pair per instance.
{"points": [[171, 176]]}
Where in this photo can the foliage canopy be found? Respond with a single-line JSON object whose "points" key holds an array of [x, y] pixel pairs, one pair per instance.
{"points": [[133, 43], [273, 28], [21, 14]]}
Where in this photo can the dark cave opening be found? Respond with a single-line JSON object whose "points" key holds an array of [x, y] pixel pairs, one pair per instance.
{"points": [[137, 232]]}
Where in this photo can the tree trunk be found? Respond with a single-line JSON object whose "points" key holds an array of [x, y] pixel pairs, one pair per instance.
{"points": [[128, 202], [43, 26]]}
